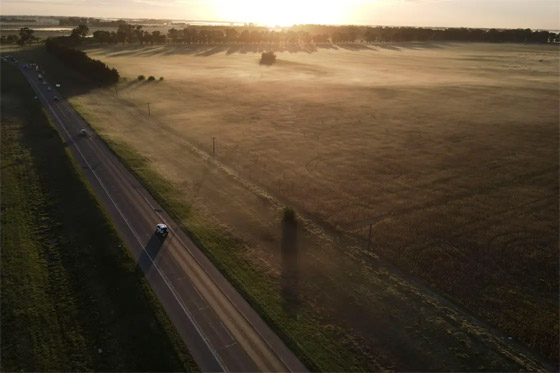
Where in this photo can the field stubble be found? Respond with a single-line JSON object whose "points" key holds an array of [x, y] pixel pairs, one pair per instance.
{"points": [[450, 149]]}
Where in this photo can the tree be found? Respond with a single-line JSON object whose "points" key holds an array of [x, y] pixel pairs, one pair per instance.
{"points": [[12, 39], [126, 32], [80, 32], [26, 36], [147, 37], [102, 36], [173, 34], [120, 36], [139, 34], [157, 37], [231, 35]]}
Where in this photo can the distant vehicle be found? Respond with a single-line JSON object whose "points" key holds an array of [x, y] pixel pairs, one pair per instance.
{"points": [[57, 85], [83, 132], [49, 89], [39, 76], [44, 83], [55, 98], [162, 230]]}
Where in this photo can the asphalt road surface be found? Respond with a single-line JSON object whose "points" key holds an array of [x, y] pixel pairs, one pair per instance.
{"points": [[220, 329]]}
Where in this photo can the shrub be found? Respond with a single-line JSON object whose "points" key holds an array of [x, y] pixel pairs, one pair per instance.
{"points": [[268, 58], [288, 214], [141, 77], [160, 78], [151, 78]]}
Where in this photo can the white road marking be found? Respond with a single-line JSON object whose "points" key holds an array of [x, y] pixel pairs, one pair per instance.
{"points": [[130, 227]]}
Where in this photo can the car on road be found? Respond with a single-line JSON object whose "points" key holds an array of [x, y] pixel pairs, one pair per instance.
{"points": [[55, 98], [57, 85], [49, 89], [83, 132], [161, 229], [44, 83]]}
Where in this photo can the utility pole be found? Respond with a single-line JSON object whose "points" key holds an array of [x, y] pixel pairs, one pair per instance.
{"points": [[149, 114], [213, 146]]}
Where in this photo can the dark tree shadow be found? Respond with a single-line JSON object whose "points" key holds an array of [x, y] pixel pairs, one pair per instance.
{"points": [[355, 47], [290, 266], [388, 46], [150, 252]]}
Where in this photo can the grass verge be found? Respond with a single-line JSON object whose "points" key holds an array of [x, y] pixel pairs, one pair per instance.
{"points": [[320, 346], [72, 297]]}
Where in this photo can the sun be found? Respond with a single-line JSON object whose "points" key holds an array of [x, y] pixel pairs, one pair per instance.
{"points": [[284, 12]]}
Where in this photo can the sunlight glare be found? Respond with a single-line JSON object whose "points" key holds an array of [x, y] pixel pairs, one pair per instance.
{"points": [[286, 12]]}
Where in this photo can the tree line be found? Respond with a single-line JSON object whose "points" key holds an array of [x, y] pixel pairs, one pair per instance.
{"points": [[127, 33], [376, 34], [64, 47], [25, 37]]}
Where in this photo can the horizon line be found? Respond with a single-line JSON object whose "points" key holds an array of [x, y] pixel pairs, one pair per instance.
{"points": [[276, 26]]}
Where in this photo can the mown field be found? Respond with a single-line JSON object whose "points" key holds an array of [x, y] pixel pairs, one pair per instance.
{"points": [[450, 150], [72, 297]]}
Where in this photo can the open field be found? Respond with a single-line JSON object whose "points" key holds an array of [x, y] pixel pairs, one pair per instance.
{"points": [[72, 298], [451, 150]]}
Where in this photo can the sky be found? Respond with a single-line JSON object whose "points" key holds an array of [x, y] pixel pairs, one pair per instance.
{"points": [[535, 14]]}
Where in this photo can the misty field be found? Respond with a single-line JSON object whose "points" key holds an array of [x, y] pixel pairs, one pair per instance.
{"points": [[449, 150]]}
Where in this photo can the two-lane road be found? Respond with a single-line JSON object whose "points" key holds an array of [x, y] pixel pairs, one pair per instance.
{"points": [[221, 330]]}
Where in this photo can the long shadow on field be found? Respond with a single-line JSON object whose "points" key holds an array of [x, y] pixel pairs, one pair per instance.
{"points": [[72, 83], [290, 266], [205, 50], [150, 252], [356, 47]]}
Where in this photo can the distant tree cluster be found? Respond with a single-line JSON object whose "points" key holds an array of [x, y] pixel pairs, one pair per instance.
{"points": [[17, 20], [398, 34], [97, 22], [25, 37], [73, 21], [192, 35], [8, 39], [310, 34], [129, 34], [64, 48]]}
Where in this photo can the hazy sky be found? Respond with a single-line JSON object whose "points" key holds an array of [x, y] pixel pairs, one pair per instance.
{"points": [[534, 14]]}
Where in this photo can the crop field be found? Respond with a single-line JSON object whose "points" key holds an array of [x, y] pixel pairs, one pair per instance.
{"points": [[450, 151]]}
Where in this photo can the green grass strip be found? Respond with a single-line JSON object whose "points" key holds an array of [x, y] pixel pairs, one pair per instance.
{"points": [[73, 298]]}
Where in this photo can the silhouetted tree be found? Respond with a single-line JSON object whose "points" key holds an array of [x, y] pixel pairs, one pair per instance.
{"points": [[26, 36], [290, 265], [173, 34], [62, 47], [80, 32], [231, 35]]}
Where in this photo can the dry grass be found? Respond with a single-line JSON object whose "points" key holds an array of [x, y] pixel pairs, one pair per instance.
{"points": [[450, 149]]}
